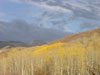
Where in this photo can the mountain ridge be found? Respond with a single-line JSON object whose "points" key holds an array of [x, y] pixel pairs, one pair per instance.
{"points": [[77, 36], [10, 44]]}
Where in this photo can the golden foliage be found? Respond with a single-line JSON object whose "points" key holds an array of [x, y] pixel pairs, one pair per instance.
{"points": [[79, 58]]}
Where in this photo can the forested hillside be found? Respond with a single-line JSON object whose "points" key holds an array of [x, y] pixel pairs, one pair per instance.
{"points": [[79, 57]]}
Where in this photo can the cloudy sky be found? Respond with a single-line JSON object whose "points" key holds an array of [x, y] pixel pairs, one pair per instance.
{"points": [[27, 20]]}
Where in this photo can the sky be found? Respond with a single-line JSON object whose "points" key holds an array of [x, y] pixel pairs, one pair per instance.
{"points": [[47, 20]]}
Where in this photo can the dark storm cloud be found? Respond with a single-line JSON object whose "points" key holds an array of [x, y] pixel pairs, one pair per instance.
{"points": [[20, 30]]}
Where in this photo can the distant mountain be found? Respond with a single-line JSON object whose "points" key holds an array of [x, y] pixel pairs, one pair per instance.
{"points": [[10, 44], [37, 43]]}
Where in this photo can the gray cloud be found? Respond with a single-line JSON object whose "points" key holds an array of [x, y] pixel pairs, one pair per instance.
{"points": [[20, 30], [84, 9], [81, 8], [88, 26], [57, 20], [69, 11], [2, 16]]}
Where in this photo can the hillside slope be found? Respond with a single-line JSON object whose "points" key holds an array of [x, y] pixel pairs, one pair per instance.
{"points": [[79, 58], [77, 36]]}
